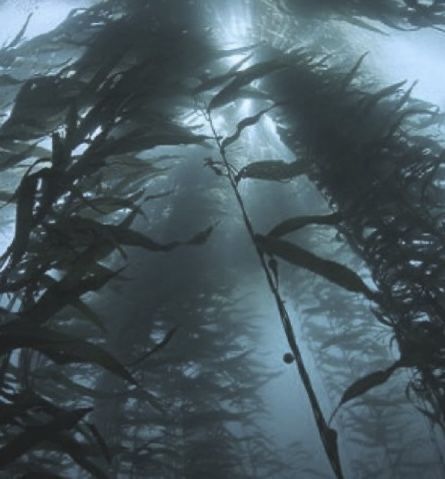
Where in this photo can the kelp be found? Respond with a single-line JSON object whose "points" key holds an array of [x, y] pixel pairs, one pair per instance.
{"points": [[241, 79], [213, 383], [386, 211], [273, 170], [265, 170], [74, 220], [331, 270], [243, 124], [344, 342], [315, 98], [363, 385], [60, 226], [392, 14], [355, 202], [294, 224]]}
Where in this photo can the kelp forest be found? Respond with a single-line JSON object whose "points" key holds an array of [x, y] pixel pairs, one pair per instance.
{"points": [[222, 239]]}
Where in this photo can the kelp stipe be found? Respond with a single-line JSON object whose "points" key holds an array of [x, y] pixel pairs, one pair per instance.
{"points": [[229, 93]]}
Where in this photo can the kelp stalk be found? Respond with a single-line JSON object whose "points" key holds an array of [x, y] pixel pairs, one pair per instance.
{"points": [[328, 435]]}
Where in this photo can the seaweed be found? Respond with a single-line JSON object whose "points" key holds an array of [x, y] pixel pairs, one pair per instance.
{"points": [[97, 155]]}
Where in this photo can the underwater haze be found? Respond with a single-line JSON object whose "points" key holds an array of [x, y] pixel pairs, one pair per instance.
{"points": [[222, 239]]}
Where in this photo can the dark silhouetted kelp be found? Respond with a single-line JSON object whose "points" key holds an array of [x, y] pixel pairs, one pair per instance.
{"points": [[127, 343]]}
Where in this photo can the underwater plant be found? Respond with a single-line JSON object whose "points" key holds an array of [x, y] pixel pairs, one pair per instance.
{"points": [[128, 347]]}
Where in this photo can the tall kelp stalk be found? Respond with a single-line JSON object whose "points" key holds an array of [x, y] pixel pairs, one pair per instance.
{"points": [[73, 219], [235, 81]]}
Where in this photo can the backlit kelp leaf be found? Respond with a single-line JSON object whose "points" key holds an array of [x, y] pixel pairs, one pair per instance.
{"points": [[137, 179], [239, 64], [351, 74], [105, 206], [243, 78], [33, 436], [236, 51], [78, 227], [78, 281], [39, 106], [16, 40], [59, 347], [364, 384], [96, 251], [134, 238], [294, 224], [139, 140], [374, 98], [332, 271], [201, 237], [273, 170], [210, 83], [243, 124], [213, 82], [110, 204]]}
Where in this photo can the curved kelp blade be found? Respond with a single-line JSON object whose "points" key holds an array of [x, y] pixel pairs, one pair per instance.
{"points": [[59, 347], [293, 224], [243, 124], [120, 235], [332, 271], [242, 79], [352, 73], [273, 170], [17, 39], [366, 383]]}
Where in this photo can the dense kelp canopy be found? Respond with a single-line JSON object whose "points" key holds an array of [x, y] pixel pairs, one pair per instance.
{"points": [[222, 239]]}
